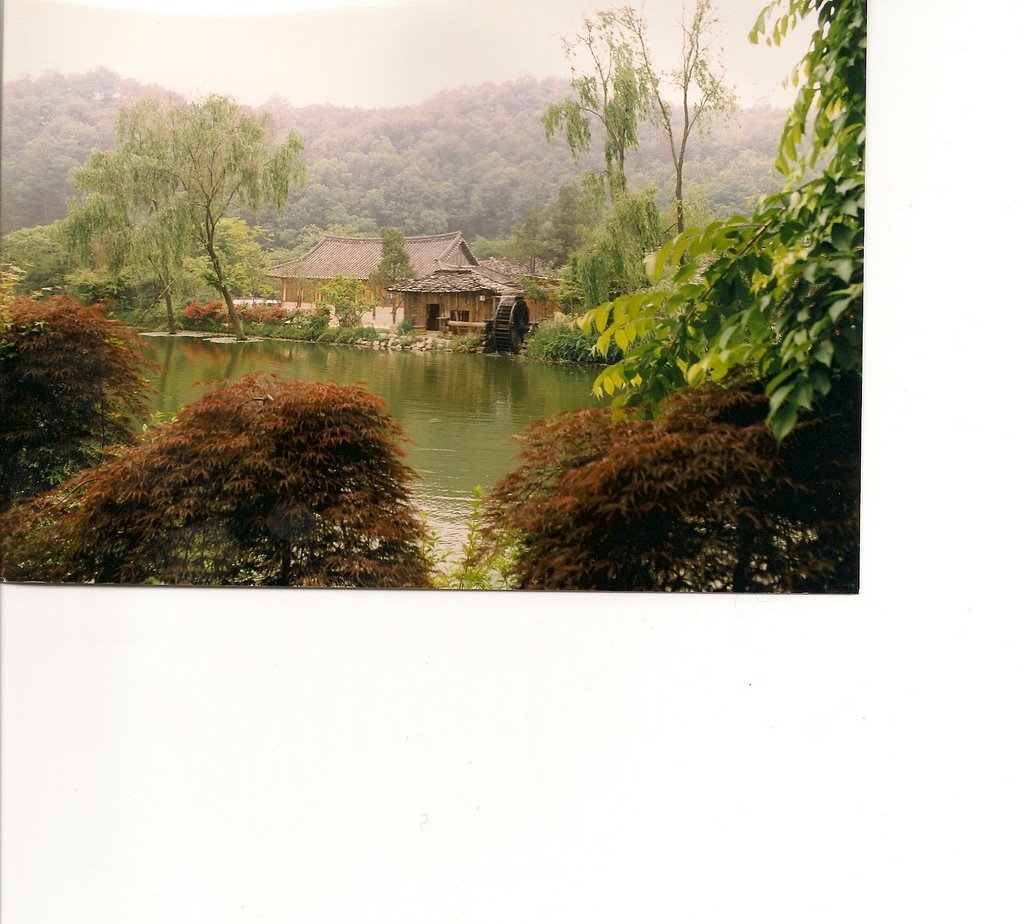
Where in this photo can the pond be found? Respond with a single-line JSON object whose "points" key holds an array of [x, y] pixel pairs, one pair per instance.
{"points": [[460, 412]]}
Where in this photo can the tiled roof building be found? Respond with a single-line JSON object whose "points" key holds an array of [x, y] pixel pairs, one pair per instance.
{"points": [[540, 269], [461, 279], [359, 256], [451, 291]]}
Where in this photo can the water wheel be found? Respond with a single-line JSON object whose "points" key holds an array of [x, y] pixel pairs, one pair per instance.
{"points": [[510, 325]]}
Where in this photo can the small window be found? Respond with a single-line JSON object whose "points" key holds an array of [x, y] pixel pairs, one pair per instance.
{"points": [[463, 315]]}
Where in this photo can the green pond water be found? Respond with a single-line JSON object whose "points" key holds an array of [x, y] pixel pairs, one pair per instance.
{"points": [[460, 412]]}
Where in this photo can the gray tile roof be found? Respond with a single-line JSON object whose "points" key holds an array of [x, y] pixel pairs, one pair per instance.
{"points": [[460, 279], [542, 269], [359, 256]]}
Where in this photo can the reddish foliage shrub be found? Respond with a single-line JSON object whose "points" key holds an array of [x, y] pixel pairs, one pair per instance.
{"points": [[263, 314], [260, 482], [211, 316], [71, 382], [699, 499]]}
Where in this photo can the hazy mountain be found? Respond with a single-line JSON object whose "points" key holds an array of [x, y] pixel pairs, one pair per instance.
{"points": [[472, 159]]}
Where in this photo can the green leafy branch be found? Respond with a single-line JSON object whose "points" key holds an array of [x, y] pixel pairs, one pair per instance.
{"points": [[779, 294]]}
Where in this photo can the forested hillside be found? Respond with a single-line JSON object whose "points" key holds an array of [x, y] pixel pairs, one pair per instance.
{"points": [[50, 126], [470, 159]]}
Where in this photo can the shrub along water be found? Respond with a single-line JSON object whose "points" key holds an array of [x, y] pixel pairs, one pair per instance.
{"points": [[565, 342], [350, 334], [466, 343]]}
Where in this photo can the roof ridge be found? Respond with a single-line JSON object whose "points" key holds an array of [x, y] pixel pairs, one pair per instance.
{"points": [[435, 237], [455, 235], [452, 245], [356, 254]]}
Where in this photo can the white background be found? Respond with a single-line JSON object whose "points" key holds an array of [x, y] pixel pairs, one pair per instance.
{"points": [[188, 756]]}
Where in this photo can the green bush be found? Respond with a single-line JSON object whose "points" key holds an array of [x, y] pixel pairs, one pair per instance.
{"points": [[406, 327], [348, 295], [316, 322], [480, 563], [271, 329], [564, 342], [348, 334], [466, 343], [139, 318]]}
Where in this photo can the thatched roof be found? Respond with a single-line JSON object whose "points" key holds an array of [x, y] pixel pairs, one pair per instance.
{"points": [[460, 279], [360, 256]]}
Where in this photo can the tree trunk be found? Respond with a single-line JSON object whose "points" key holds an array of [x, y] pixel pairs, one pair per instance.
{"points": [[236, 321], [284, 576], [744, 556], [679, 197], [677, 162], [172, 324], [6, 483]]}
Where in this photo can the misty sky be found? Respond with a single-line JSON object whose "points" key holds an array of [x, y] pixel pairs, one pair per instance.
{"points": [[350, 52]]}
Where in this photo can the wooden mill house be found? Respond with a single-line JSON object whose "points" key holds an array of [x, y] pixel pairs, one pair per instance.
{"points": [[331, 256], [453, 292]]}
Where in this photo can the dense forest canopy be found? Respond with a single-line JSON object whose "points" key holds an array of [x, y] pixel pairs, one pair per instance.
{"points": [[471, 159]]}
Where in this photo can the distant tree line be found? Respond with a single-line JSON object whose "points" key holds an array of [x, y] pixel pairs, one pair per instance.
{"points": [[471, 159]]}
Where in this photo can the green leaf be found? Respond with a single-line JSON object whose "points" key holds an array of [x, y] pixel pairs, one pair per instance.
{"points": [[851, 207], [820, 380], [726, 337], [779, 379], [842, 237], [823, 352], [654, 264], [758, 29], [803, 396], [844, 269], [783, 421], [778, 397], [838, 308]]}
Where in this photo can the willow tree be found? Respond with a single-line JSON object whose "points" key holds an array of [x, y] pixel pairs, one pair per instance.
{"points": [[222, 159], [132, 213], [698, 84], [609, 87]]}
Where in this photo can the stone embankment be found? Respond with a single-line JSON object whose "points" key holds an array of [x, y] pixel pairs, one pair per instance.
{"points": [[399, 343]]}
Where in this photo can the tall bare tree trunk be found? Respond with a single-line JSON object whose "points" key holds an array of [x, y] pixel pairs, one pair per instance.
{"points": [[236, 321], [172, 324], [679, 197]]}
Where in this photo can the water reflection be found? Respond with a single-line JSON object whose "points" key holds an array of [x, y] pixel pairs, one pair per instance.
{"points": [[460, 412]]}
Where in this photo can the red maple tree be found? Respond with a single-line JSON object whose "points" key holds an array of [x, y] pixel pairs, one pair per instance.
{"points": [[260, 482]]}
